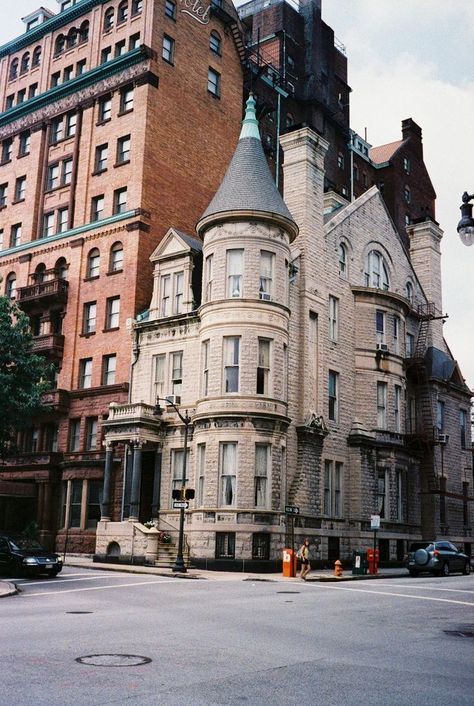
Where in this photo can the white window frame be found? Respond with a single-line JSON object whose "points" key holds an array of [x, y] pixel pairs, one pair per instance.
{"points": [[264, 354], [267, 266], [333, 318], [231, 363], [228, 462], [235, 272], [381, 404], [333, 399], [176, 372], [380, 326], [178, 286], [159, 375], [209, 266], [165, 293], [261, 479], [205, 368]]}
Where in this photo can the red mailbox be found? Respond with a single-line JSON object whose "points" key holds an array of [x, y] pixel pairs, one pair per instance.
{"points": [[373, 560]]}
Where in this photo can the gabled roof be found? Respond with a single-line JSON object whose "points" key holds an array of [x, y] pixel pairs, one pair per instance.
{"points": [[175, 244], [384, 153], [248, 187]]}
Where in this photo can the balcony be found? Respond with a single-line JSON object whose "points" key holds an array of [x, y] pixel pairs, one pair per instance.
{"points": [[53, 291], [51, 344], [33, 460], [56, 401]]}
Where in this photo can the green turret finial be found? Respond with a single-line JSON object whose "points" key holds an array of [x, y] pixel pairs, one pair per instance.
{"points": [[250, 123]]}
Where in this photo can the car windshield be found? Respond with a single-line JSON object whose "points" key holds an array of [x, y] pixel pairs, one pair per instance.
{"points": [[25, 544]]}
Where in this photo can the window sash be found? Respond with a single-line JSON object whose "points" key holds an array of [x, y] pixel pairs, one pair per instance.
{"points": [[159, 374], [262, 453], [231, 363], [228, 473], [110, 368], [382, 405]]}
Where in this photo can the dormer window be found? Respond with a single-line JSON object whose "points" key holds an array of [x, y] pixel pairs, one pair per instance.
{"points": [[34, 19]]}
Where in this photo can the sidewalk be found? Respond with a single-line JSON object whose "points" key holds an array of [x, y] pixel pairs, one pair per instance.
{"points": [[202, 574], [7, 589]]}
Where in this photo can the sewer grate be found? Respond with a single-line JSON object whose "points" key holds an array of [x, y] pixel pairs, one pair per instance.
{"points": [[79, 612], [460, 633], [113, 660], [288, 592]]}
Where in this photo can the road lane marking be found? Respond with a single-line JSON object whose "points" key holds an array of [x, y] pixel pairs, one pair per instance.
{"points": [[429, 588], [56, 582], [97, 588], [397, 595]]}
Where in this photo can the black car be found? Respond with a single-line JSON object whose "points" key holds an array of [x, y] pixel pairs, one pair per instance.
{"points": [[22, 555], [441, 558]]}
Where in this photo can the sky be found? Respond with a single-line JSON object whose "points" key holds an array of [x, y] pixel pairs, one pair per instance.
{"points": [[407, 59]]}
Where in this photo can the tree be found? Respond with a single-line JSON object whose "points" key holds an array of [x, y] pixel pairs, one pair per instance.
{"points": [[24, 376]]}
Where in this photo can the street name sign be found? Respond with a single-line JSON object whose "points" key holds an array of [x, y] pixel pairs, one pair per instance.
{"points": [[180, 505], [375, 522], [292, 510]]}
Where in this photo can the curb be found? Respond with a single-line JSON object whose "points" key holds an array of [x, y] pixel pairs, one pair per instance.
{"points": [[7, 589], [127, 568]]}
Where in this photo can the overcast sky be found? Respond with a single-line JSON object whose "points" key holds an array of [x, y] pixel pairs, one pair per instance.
{"points": [[407, 58]]}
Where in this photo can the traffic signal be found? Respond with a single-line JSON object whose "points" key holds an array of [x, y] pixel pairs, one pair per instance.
{"points": [[189, 494], [176, 493]]}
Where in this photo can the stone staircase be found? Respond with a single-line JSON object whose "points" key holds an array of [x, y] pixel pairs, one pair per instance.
{"points": [[166, 555]]}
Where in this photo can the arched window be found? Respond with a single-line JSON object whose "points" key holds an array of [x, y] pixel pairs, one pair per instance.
{"points": [[36, 59], [342, 253], [72, 37], [10, 286], [59, 44], [13, 73], [137, 6], [409, 292], [61, 268], [215, 43], [25, 63], [109, 19], [122, 12], [93, 263], [39, 275], [84, 31], [116, 257], [376, 272]]}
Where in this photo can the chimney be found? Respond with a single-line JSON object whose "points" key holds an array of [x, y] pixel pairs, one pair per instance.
{"points": [[411, 131]]}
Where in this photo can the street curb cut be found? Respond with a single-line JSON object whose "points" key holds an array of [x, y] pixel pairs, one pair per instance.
{"points": [[7, 589]]}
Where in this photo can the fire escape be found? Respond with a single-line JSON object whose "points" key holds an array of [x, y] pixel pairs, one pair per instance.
{"points": [[423, 434]]}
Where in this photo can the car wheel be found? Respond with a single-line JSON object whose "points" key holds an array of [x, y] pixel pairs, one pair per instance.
{"points": [[467, 569], [445, 569], [52, 574], [412, 573]]}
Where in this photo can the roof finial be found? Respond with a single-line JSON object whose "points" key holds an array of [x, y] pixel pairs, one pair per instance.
{"points": [[250, 123]]}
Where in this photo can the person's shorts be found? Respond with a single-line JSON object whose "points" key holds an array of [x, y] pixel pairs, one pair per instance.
{"points": [[305, 561]]}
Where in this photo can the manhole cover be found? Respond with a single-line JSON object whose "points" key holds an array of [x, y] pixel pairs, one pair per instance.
{"points": [[79, 612], [288, 592], [460, 633], [113, 660]]}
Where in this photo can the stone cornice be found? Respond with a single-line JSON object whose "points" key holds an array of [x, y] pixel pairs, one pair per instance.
{"points": [[381, 297], [62, 18], [81, 90]]}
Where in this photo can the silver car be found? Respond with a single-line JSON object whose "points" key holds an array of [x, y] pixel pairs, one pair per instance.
{"points": [[441, 558]]}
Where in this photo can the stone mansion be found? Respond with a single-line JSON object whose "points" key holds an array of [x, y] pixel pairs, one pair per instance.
{"points": [[305, 343]]}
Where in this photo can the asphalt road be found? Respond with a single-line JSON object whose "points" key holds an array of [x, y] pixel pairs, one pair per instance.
{"points": [[151, 640]]}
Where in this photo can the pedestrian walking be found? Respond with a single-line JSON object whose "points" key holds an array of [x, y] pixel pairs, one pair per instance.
{"points": [[305, 565]]}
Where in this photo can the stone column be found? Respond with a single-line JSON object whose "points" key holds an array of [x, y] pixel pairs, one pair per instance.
{"points": [[155, 502], [105, 507], [136, 482]]}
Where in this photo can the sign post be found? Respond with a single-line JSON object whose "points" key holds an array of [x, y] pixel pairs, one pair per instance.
{"points": [[375, 525], [290, 512]]}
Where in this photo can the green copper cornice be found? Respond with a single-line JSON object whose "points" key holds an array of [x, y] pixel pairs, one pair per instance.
{"points": [[74, 86], [94, 225], [36, 34], [250, 122]]}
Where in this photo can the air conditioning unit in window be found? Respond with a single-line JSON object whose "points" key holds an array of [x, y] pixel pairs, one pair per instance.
{"points": [[265, 296], [442, 439], [173, 399], [382, 347]]}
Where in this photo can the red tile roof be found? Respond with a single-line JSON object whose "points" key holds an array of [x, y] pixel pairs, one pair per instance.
{"points": [[384, 153]]}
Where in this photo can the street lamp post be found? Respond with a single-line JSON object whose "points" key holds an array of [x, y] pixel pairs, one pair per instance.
{"points": [[186, 419], [466, 224]]}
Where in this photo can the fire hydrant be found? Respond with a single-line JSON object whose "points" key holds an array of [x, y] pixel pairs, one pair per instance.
{"points": [[338, 568]]}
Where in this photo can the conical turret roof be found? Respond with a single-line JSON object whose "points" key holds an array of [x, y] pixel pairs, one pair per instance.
{"points": [[248, 189]]}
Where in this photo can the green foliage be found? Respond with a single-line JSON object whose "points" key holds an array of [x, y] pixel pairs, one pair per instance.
{"points": [[23, 375]]}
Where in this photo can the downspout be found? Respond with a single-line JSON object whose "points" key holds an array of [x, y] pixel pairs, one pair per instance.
{"points": [[136, 354]]}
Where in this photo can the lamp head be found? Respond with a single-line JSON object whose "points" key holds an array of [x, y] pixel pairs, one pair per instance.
{"points": [[158, 410], [466, 224]]}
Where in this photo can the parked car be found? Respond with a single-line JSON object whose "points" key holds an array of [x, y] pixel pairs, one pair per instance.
{"points": [[22, 555], [441, 558]]}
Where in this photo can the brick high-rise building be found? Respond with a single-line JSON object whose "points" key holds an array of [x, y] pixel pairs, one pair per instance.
{"points": [[111, 128]]}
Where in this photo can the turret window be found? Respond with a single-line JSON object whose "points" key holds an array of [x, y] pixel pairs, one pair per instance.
{"points": [[235, 264], [228, 467], [266, 275], [382, 405], [231, 363], [205, 368], [262, 456], [263, 367], [209, 276]]}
